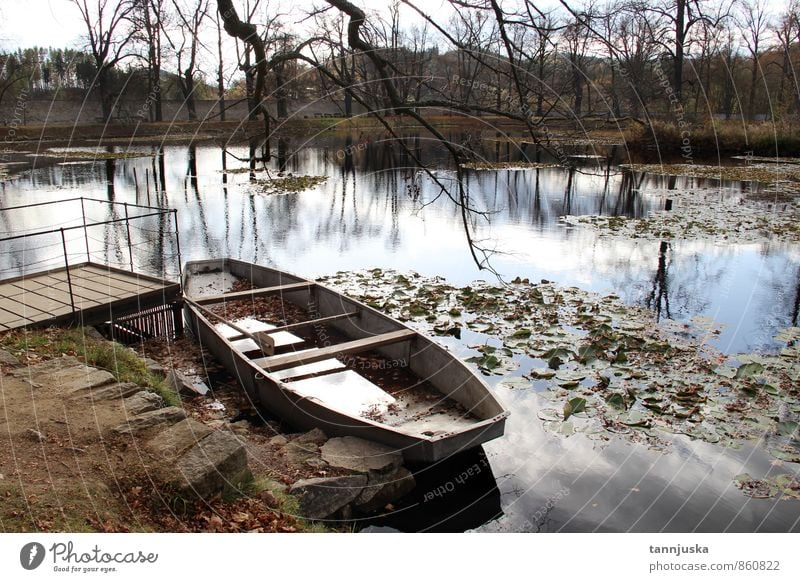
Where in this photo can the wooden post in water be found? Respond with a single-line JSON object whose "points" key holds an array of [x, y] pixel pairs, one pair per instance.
{"points": [[668, 204], [136, 183]]}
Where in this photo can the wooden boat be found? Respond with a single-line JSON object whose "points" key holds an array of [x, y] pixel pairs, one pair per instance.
{"points": [[316, 358]]}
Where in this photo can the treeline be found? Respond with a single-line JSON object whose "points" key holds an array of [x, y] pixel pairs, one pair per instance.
{"points": [[683, 60]]}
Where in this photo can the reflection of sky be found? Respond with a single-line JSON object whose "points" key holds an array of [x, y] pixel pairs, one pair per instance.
{"points": [[369, 219]]}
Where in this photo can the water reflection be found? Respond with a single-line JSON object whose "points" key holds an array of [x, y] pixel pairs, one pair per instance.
{"points": [[375, 209]]}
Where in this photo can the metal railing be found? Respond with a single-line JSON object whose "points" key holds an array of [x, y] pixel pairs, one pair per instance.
{"points": [[128, 220]]}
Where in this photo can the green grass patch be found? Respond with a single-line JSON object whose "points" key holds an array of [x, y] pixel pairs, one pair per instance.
{"points": [[122, 362]]}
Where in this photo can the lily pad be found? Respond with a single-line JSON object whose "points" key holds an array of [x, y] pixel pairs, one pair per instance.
{"points": [[574, 406]]}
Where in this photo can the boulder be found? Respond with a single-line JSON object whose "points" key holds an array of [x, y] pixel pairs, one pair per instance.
{"points": [[78, 379], [161, 417], [143, 401], [298, 453], [278, 440], [383, 488], [179, 438], [185, 385], [113, 391], [216, 463], [325, 496], [360, 455], [47, 367], [154, 367], [315, 436], [7, 359]]}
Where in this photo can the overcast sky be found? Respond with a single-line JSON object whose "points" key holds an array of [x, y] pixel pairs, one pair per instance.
{"points": [[57, 23]]}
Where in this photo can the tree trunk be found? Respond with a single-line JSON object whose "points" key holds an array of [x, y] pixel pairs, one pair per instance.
{"points": [[220, 76], [188, 93], [751, 100], [680, 39]]}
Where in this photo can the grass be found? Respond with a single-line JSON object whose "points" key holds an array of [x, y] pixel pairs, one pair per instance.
{"points": [[122, 362], [287, 504], [728, 137]]}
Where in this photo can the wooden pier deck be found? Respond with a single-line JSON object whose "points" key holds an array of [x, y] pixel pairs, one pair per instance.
{"points": [[87, 294]]}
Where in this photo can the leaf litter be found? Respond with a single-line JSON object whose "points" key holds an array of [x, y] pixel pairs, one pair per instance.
{"points": [[716, 214], [608, 368]]}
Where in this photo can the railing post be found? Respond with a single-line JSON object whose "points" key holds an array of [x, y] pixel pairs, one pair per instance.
{"points": [[85, 233], [66, 262], [128, 229], [178, 244]]}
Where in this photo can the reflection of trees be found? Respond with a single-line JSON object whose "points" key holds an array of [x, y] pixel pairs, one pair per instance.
{"points": [[795, 320], [658, 299]]}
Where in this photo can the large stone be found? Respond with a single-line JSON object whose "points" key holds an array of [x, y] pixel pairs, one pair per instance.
{"points": [[324, 496], [315, 436], [185, 385], [298, 453], [360, 455], [113, 391], [161, 417], [383, 488], [216, 463], [46, 367], [143, 401], [7, 359], [78, 379], [154, 367], [179, 438]]}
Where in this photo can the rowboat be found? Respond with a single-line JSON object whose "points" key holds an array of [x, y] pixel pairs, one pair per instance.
{"points": [[318, 359]]}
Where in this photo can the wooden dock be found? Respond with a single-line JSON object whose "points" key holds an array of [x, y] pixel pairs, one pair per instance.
{"points": [[84, 294]]}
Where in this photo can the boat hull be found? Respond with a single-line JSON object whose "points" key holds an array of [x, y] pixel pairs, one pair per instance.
{"points": [[304, 413]]}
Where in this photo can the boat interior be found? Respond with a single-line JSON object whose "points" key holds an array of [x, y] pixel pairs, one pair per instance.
{"points": [[325, 346]]}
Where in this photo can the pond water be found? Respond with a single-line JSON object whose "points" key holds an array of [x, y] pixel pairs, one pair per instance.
{"points": [[376, 210]]}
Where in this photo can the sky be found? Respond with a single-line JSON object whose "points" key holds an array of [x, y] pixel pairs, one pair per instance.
{"points": [[57, 23]]}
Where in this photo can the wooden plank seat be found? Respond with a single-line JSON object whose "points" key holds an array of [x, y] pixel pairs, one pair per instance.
{"points": [[251, 293], [274, 363], [248, 345]]}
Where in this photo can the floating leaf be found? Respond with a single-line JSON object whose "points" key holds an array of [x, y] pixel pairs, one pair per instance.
{"points": [[542, 373], [748, 370], [788, 428], [616, 401], [574, 406], [725, 371]]}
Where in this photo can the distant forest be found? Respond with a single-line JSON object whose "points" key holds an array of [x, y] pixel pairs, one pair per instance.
{"points": [[679, 59]]}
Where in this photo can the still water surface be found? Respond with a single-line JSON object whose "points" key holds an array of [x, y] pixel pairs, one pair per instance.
{"points": [[374, 210]]}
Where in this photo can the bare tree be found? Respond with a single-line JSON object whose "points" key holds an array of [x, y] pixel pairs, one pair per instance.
{"points": [[148, 20], [753, 20], [106, 41], [190, 17]]}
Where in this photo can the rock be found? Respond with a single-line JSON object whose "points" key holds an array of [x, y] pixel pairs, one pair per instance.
{"points": [[7, 359], [316, 463], [379, 529], [216, 463], [154, 367], [93, 333], [163, 416], [35, 435], [242, 427], [324, 496], [143, 401], [278, 440], [383, 488], [315, 436], [113, 391], [184, 385], [78, 379], [298, 454], [360, 455], [179, 438], [46, 367]]}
